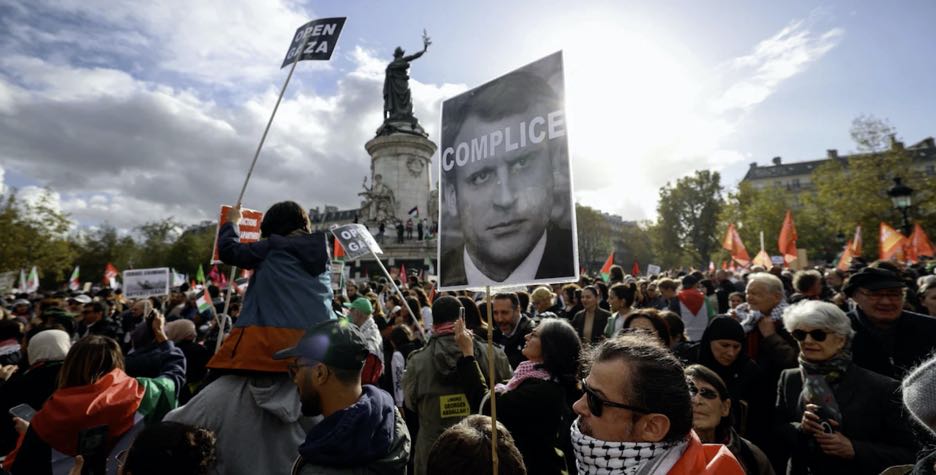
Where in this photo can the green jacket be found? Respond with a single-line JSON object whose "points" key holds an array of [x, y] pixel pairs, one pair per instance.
{"points": [[431, 389]]}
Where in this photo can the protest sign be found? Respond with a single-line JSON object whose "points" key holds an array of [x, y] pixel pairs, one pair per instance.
{"points": [[506, 210], [7, 280], [322, 37], [337, 274], [653, 269], [356, 241], [142, 283], [248, 229]]}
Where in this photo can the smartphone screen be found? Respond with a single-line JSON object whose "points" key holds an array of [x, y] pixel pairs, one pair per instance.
{"points": [[23, 411]]}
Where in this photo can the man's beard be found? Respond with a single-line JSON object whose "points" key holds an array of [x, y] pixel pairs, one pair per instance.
{"points": [[311, 404]]}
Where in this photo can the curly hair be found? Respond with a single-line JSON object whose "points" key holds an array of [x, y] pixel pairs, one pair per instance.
{"points": [[171, 447]]}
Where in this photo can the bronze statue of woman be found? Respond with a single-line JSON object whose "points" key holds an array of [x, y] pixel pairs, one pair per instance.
{"points": [[398, 102]]}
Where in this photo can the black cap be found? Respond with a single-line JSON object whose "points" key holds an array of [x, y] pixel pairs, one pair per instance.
{"points": [[872, 278], [336, 343]]}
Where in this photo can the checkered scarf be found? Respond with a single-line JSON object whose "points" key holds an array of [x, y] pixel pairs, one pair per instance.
{"points": [[597, 457]]}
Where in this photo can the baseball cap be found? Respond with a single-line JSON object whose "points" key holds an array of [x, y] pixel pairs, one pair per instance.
{"points": [[337, 343], [872, 278], [361, 304], [81, 298]]}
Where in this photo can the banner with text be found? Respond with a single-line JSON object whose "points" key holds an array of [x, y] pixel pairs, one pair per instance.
{"points": [[506, 214], [143, 283], [356, 241], [323, 36], [248, 229]]}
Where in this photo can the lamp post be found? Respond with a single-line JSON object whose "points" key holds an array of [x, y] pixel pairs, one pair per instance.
{"points": [[901, 196]]}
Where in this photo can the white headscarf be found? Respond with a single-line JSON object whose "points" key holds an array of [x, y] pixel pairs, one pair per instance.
{"points": [[48, 345]]}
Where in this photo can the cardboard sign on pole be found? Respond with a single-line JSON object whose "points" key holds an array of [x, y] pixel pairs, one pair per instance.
{"points": [[248, 229], [320, 37], [507, 216], [143, 283], [356, 241]]}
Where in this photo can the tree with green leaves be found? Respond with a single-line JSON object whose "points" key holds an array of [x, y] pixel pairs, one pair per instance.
{"points": [[594, 237], [35, 234], [687, 214]]}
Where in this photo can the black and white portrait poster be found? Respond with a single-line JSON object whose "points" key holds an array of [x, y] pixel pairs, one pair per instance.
{"points": [[506, 214]]}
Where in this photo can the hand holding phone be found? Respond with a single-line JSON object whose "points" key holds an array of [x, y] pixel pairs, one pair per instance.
{"points": [[23, 411]]}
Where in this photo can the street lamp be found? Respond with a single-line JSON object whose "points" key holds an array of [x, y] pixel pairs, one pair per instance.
{"points": [[901, 195]]}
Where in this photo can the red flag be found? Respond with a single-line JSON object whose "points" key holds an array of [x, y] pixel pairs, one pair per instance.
{"points": [[403, 277], [847, 255], [891, 243], [787, 241], [339, 251], [110, 274], [919, 244], [635, 268], [735, 247], [606, 268]]}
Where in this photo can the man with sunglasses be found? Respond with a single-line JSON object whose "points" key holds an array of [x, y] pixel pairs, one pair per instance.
{"points": [[362, 429], [889, 340], [635, 415]]}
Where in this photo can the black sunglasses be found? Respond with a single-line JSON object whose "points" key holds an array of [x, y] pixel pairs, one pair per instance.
{"points": [[817, 335], [706, 393], [596, 404]]}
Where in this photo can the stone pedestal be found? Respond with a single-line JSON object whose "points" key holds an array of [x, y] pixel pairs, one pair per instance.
{"points": [[403, 160]]}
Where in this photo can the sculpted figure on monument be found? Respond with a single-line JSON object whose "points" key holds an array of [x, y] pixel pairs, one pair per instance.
{"points": [[398, 101], [379, 203]]}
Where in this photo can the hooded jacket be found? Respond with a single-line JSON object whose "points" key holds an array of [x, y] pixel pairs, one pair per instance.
{"points": [[432, 391], [257, 420], [289, 291], [368, 437]]}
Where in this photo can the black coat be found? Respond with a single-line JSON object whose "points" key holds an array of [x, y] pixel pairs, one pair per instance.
{"points": [[32, 386], [914, 339], [872, 418], [513, 345], [536, 413], [601, 321]]}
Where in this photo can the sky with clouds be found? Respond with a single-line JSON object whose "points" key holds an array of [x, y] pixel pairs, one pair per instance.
{"points": [[136, 111]]}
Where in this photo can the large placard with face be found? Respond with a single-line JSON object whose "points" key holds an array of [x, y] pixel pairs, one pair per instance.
{"points": [[506, 214]]}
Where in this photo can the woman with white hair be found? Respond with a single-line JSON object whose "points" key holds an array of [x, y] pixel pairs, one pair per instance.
{"points": [[834, 416]]}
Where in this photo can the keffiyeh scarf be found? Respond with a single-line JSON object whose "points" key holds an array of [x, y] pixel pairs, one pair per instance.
{"points": [[597, 457], [524, 371], [749, 317]]}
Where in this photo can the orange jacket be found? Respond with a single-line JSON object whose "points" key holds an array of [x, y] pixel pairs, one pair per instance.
{"points": [[706, 459]]}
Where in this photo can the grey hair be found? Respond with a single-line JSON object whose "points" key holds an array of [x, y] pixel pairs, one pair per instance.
{"points": [[773, 283], [818, 314]]}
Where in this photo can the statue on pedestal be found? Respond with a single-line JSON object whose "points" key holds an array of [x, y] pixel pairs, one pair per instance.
{"points": [[398, 101], [379, 203]]}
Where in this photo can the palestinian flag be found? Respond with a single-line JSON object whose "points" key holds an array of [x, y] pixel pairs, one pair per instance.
{"points": [[204, 302], [73, 282], [606, 268]]}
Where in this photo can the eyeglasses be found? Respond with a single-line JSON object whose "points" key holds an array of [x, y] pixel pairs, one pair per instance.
{"points": [[897, 294], [706, 393], [596, 403], [817, 335], [294, 368]]}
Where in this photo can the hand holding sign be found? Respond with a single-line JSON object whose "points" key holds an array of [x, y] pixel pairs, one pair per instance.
{"points": [[234, 215]]}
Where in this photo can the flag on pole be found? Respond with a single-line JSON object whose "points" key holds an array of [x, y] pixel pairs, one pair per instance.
{"points": [[919, 244], [110, 275], [856, 242], [847, 254], [204, 301], [200, 275], [73, 282], [635, 268], [787, 241], [606, 268], [32, 282], [339, 251], [763, 259], [891, 243], [22, 281], [735, 247], [414, 212]]}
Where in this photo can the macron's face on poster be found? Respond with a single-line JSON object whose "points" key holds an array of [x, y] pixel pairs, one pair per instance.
{"points": [[504, 201]]}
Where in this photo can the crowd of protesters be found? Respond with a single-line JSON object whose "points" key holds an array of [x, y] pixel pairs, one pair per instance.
{"points": [[759, 371]]}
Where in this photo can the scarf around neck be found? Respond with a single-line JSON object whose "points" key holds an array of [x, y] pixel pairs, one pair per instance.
{"points": [[598, 457], [525, 370], [818, 379]]}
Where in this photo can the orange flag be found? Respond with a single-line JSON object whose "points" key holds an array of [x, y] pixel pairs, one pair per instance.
{"points": [[919, 244], [856, 242], [787, 241], [847, 255], [339, 251], [735, 247], [606, 268], [891, 243]]}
